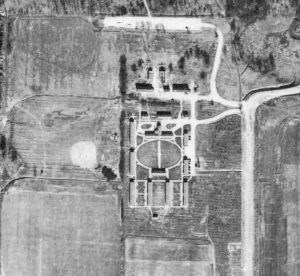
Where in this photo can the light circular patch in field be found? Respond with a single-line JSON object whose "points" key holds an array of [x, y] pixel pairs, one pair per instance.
{"points": [[84, 154], [170, 154]]}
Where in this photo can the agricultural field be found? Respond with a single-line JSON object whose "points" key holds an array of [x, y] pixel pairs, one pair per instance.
{"points": [[60, 57], [277, 183], [172, 257], [68, 90], [45, 129], [224, 211], [59, 232], [62, 92]]}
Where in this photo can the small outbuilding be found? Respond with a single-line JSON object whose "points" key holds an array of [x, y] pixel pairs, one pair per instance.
{"points": [[144, 87], [181, 87]]}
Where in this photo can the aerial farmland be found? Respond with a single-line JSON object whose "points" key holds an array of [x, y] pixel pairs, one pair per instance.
{"points": [[149, 138]]}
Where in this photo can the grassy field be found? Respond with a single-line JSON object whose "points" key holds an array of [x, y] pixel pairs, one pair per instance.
{"points": [[175, 173], [170, 154], [142, 173], [139, 139], [218, 145], [178, 141], [159, 193], [45, 128], [205, 109], [277, 200], [147, 154], [61, 56], [49, 233]]}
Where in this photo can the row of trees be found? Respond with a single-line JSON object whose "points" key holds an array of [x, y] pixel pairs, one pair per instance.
{"points": [[117, 7], [197, 53]]}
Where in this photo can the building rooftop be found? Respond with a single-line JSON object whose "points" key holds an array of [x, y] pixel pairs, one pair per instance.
{"points": [[150, 133], [181, 87], [158, 170], [163, 113], [143, 86], [166, 88], [185, 113], [167, 133]]}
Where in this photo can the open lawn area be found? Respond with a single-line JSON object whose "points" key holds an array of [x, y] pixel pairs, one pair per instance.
{"points": [[147, 154], [170, 154]]}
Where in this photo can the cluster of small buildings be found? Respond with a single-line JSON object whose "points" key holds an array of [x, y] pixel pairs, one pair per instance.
{"points": [[160, 115], [175, 87], [186, 166], [147, 84], [186, 160]]}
